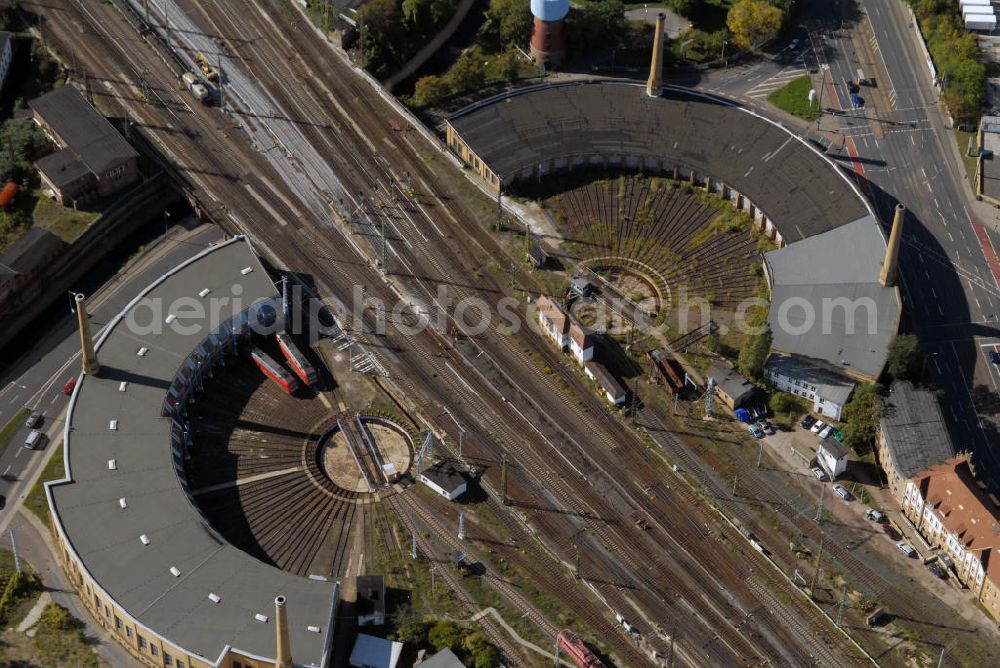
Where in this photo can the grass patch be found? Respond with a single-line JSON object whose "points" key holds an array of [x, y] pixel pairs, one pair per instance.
{"points": [[60, 640], [7, 433], [64, 222], [36, 501], [793, 98]]}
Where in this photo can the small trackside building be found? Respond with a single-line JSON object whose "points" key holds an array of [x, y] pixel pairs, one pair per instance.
{"points": [[609, 385], [371, 600], [445, 479], [94, 160], [564, 330], [730, 387], [832, 457], [829, 392]]}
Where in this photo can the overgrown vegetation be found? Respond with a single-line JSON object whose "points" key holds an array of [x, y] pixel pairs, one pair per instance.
{"points": [[471, 71], [470, 646], [60, 640], [392, 31], [906, 358], [753, 22], [956, 57], [793, 98], [861, 416]]}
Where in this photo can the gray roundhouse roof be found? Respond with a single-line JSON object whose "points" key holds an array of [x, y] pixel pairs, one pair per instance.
{"points": [[105, 537], [792, 184]]}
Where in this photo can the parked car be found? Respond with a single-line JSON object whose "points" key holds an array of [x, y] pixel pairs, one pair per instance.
{"points": [[857, 101], [817, 426], [842, 493], [765, 426], [891, 532], [995, 357], [756, 431], [875, 515], [907, 550], [838, 436], [935, 568], [33, 420], [807, 422], [69, 386], [819, 473], [852, 87], [826, 431]]}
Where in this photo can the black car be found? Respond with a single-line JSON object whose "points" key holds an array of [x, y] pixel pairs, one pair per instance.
{"points": [[807, 422]]}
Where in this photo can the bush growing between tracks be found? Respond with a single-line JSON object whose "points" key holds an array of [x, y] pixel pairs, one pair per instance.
{"points": [[956, 56]]}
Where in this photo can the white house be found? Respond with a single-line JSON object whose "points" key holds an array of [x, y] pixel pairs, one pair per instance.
{"points": [[554, 321], [6, 53], [444, 479], [832, 457], [828, 391], [581, 343], [610, 387]]}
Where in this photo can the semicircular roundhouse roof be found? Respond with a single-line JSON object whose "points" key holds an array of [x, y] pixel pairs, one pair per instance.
{"points": [[794, 186], [105, 537]]}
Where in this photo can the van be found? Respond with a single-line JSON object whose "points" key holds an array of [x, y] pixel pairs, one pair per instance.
{"points": [[33, 440]]}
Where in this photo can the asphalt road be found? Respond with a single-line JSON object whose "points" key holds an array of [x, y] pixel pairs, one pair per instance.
{"points": [[37, 381], [898, 146]]}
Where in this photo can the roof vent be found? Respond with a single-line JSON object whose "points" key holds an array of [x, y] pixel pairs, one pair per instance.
{"points": [[214, 598], [317, 577], [121, 502], [260, 618], [113, 425], [204, 293], [144, 539], [142, 351], [171, 318], [175, 571], [313, 629], [112, 464], [246, 270], [122, 386]]}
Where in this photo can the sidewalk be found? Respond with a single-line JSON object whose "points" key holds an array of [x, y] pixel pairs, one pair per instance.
{"points": [[34, 545]]}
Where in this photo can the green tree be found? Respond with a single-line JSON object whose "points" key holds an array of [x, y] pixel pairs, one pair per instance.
{"points": [[753, 353], [483, 654], [430, 90], [752, 21], [906, 358], [510, 22], [383, 36], [468, 72], [861, 416], [445, 635], [507, 65]]}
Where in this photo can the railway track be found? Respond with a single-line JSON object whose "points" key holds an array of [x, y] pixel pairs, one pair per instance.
{"points": [[302, 239]]}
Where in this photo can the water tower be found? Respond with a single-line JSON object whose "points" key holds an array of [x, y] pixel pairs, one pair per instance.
{"points": [[548, 39]]}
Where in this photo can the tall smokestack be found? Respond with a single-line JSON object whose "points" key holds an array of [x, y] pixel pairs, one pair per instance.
{"points": [[890, 267], [283, 653], [654, 87], [90, 363], [548, 36]]}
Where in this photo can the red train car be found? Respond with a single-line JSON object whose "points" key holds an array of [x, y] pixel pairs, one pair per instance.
{"points": [[300, 365], [664, 368], [274, 371], [574, 647]]}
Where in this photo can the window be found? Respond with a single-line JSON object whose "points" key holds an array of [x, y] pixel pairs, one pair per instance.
{"points": [[142, 643], [107, 612], [128, 631], [118, 623], [153, 650], [180, 664], [167, 659], [97, 602]]}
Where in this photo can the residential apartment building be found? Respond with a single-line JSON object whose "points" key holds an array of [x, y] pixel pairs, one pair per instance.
{"points": [[93, 159], [912, 436], [829, 392], [953, 511]]}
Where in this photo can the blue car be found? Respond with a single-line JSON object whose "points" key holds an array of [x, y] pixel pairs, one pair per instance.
{"points": [[857, 101], [995, 357]]}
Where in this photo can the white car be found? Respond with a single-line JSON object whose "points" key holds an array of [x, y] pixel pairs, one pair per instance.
{"points": [[817, 427], [819, 473], [906, 549], [842, 493], [826, 431]]}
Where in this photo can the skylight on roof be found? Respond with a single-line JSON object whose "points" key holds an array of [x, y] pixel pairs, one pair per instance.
{"points": [[122, 503], [113, 425], [144, 539], [175, 571], [112, 464], [171, 318], [246, 270], [204, 293], [214, 598], [260, 618], [122, 386], [314, 629], [142, 351]]}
